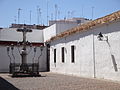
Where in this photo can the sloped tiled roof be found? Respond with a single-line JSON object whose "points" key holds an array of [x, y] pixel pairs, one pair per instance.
{"points": [[112, 17]]}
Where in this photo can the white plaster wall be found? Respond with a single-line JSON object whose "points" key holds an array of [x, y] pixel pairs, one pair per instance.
{"points": [[10, 34], [61, 27], [55, 29], [104, 50], [35, 36], [84, 62], [49, 32], [5, 60]]}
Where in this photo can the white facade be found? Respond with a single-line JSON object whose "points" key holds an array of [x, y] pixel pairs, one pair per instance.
{"points": [[49, 32], [57, 28], [5, 60], [70, 21], [93, 58], [11, 35]]}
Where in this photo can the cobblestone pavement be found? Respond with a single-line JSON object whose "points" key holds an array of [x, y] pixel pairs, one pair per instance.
{"points": [[51, 81]]}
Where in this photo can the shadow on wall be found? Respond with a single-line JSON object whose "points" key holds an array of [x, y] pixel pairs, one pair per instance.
{"points": [[114, 63], [5, 85], [113, 58]]}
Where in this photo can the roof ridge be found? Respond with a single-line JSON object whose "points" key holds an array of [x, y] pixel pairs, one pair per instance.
{"points": [[108, 18]]}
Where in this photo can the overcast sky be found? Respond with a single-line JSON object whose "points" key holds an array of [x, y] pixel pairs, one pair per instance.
{"points": [[64, 8]]}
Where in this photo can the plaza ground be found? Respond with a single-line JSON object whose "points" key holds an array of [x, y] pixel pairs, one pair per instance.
{"points": [[52, 81]]}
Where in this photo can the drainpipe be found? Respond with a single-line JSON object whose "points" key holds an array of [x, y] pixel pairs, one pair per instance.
{"points": [[94, 66]]}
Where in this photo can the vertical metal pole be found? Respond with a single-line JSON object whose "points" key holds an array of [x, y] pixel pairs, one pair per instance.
{"points": [[47, 12], [82, 11], [19, 15], [15, 19], [30, 17], [92, 12], [94, 67], [56, 12], [38, 15]]}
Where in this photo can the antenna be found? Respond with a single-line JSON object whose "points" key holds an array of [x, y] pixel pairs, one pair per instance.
{"points": [[82, 11], [72, 14], [37, 14], [92, 12], [47, 12], [19, 15], [51, 16], [58, 14], [68, 14], [24, 22], [56, 7], [30, 17], [15, 19]]}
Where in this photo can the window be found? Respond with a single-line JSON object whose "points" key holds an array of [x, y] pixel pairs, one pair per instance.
{"points": [[73, 54], [63, 55], [54, 55]]}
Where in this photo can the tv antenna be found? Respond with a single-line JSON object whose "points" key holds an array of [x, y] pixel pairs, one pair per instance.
{"points": [[82, 11], [15, 19], [56, 8], [19, 15], [51, 16], [30, 16], [40, 18], [92, 12], [37, 14], [47, 12]]}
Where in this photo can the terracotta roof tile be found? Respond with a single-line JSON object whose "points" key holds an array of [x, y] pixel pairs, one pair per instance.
{"points": [[112, 17]]}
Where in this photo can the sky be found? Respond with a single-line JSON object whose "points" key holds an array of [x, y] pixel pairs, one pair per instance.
{"points": [[40, 11]]}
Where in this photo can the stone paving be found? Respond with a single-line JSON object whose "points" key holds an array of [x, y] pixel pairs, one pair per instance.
{"points": [[51, 81]]}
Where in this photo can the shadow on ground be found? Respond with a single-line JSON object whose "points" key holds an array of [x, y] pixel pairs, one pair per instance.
{"points": [[5, 85]]}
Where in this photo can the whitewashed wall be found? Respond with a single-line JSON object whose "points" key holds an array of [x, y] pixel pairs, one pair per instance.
{"points": [[87, 48], [61, 27], [55, 29], [10, 34], [49, 32], [105, 67], [5, 60]]}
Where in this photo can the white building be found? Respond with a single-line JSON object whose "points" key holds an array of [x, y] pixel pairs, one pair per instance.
{"points": [[70, 21], [89, 50], [58, 26], [10, 36]]}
